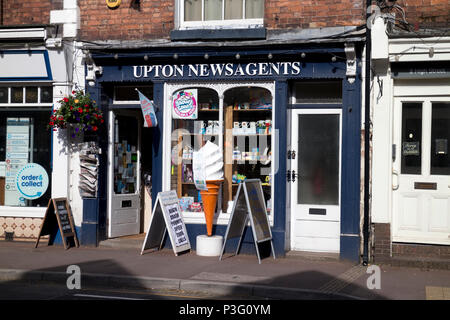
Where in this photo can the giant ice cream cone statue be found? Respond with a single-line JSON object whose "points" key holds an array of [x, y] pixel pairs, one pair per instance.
{"points": [[209, 198], [212, 159]]}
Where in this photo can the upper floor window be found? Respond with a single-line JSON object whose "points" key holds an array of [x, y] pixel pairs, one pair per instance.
{"points": [[221, 13]]}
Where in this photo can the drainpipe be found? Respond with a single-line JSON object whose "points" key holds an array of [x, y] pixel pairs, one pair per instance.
{"points": [[367, 140]]}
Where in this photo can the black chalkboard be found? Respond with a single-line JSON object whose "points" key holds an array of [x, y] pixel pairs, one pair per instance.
{"points": [[58, 216], [249, 204], [257, 208]]}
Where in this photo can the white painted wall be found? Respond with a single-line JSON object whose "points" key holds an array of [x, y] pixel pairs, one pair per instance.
{"points": [[382, 100]]}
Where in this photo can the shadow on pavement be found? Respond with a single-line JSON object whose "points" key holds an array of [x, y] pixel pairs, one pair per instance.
{"points": [[106, 273]]}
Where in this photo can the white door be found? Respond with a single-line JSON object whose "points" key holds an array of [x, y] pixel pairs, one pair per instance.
{"points": [[421, 170], [124, 167], [315, 180]]}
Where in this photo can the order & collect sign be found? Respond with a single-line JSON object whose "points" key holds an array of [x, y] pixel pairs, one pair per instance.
{"points": [[32, 181]]}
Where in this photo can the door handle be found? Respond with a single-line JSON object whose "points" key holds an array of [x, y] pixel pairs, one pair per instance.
{"points": [[395, 187]]}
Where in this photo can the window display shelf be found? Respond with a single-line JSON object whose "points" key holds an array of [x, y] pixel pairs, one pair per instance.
{"points": [[199, 134], [246, 131], [252, 134]]}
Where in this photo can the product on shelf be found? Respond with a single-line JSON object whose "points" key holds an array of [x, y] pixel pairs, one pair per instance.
{"points": [[185, 203]]}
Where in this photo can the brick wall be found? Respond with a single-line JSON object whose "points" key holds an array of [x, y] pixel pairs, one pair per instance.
{"points": [[427, 13], [152, 20], [28, 12], [313, 14], [381, 245], [421, 250]]}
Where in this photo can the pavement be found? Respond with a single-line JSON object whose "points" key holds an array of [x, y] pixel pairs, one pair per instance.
{"points": [[295, 277]]}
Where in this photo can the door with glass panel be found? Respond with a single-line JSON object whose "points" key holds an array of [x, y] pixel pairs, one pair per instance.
{"points": [[124, 168], [421, 171], [315, 179]]}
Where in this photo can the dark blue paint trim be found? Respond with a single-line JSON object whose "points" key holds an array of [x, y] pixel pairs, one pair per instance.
{"points": [[124, 106], [308, 70], [58, 238], [315, 106], [350, 168], [157, 143], [49, 76], [218, 34], [350, 247], [281, 123], [285, 50]]}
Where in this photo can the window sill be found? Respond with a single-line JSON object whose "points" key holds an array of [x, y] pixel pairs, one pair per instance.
{"points": [[222, 219], [22, 212]]}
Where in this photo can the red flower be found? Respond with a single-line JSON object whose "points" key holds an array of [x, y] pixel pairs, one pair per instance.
{"points": [[94, 128], [80, 110], [66, 100], [102, 121], [51, 123], [73, 92], [86, 105], [71, 108]]}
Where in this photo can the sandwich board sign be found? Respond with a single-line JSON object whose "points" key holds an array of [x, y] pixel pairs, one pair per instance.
{"points": [[249, 204], [58, 214], [166, 216]]}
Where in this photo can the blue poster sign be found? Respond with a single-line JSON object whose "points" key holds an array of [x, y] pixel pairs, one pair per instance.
{"points": [[32, 181]]}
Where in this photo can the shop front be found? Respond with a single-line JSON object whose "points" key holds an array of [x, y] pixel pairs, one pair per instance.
{"points": [[30, 154], [410, 206], [288, 116]]}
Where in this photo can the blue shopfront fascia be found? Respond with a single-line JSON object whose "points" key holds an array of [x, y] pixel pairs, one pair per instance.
{"points": [[278, 72]]}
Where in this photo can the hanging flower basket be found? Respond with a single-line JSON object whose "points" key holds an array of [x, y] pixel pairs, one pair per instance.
{"points": [[79, 112]]}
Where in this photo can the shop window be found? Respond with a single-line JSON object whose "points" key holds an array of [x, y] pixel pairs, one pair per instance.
{"points": [[16, 95], [46, 95], [24, 138], [26, 95], [31, 95], [318, 91], [240, 124], [189, 134], [235, 13], [248, 114], [128, 94], [4, 94]]}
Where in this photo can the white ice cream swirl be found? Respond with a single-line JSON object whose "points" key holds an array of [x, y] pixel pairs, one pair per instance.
{"points": [[213, 159]]}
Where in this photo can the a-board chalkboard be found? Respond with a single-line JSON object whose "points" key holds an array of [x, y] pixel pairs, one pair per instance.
{"points": [[257, 208], [58, 216], [249, 204], [167, 216]]}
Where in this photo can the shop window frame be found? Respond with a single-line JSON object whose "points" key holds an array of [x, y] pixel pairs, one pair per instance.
{"points": [[27, 211], [39, 86], [221, 87], [129, 102]]}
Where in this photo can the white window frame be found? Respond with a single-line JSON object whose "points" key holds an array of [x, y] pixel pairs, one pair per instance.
{"points": [[24, 103], [215, 24], [16, 211]]}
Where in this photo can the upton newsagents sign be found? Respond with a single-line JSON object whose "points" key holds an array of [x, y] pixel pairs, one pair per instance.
{"points": [[217, 70]]}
